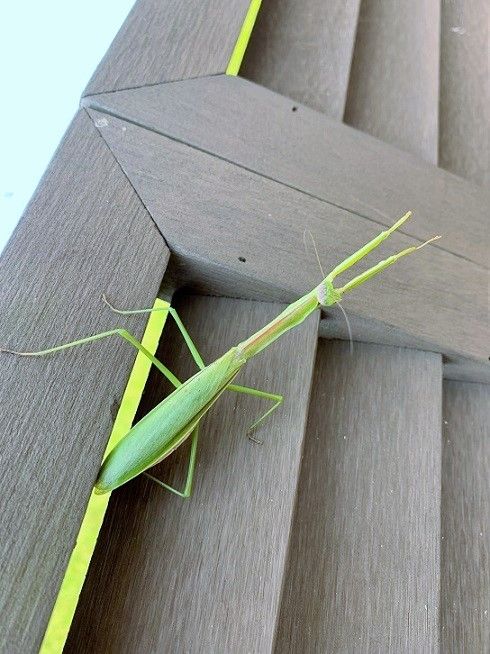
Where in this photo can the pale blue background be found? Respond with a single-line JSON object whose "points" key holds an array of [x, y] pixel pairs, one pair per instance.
{"points": [[48, 51]]}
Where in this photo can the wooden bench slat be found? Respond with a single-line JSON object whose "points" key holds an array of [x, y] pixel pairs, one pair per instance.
{"points": [[304, 50], [464, 113], [394, 81], [465, 518], [363, 573]]}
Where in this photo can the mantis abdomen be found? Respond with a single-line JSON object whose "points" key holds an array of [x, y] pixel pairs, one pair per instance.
{"points": [[164, 428]]}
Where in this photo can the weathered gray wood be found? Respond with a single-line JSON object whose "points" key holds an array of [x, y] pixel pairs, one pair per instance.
{"points": [[85, 232], [304, 50], [464, 114], [363, 573], [212, 212], [167, 40], [257, 129], [204, 575], [394, 81], [334, 326], [465, 538], [465, 575], [465, 570]]}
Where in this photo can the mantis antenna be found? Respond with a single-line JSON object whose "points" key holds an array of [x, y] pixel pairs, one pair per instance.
{"points": [[347, 322]]}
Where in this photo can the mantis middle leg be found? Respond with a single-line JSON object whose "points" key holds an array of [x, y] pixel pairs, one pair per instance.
{"points": [[276, 399]]}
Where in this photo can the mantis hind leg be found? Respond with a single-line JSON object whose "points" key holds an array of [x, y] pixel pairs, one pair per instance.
{"points": [[178, 321], [190, 470], [131, 339], [123, 333]]}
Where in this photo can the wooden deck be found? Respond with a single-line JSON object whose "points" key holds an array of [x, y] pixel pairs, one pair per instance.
{"points": [[361, 523]]}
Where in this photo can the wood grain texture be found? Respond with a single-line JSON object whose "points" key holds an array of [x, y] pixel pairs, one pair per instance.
{"points": [[465, 537], [334, 326], [304, 50], [166, 40], [463, 149], [257, 129], [363, 573], [205, 574], [212, 212], [84, 233], [394, 82], [465, 88]]}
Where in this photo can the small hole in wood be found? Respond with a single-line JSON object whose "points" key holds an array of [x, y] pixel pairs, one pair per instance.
{"points": [[242, 259], [294, 109]]}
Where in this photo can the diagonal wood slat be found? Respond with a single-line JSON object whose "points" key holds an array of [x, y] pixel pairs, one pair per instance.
{"points": [[257, 129]]}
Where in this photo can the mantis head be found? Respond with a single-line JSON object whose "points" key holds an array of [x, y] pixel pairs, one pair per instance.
{"points": [[326, 293]]}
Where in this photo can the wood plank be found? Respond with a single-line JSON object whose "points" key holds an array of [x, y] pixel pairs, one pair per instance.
{"points": [[212, 212], [465, 88], [465, 544], [84, 232], [304, 50], [211, 566], [163, 41], [394, 83], [257, 129], [334, 326], [465, 555], [363, 573]]}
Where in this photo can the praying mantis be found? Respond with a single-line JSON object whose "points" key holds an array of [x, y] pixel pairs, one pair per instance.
{"points": [[177, 417]]}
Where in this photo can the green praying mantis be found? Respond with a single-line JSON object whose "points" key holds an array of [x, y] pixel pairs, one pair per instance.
{"points": [[177, 417]]}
